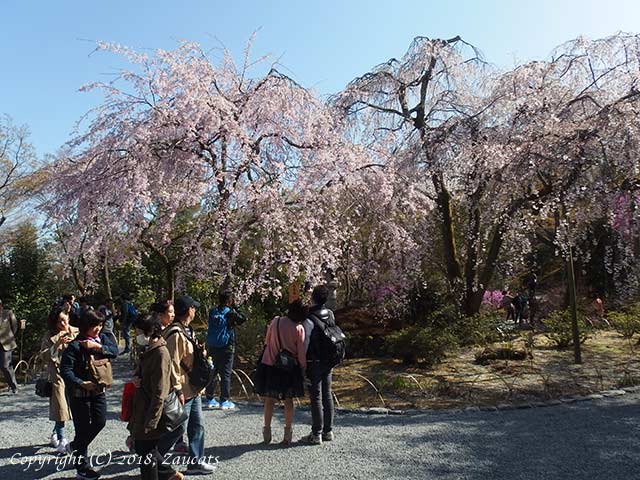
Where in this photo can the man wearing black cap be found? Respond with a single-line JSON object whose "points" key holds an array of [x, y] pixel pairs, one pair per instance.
{"points": [[181, 348]]}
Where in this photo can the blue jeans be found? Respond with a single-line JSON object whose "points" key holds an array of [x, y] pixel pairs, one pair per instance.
{"points": [[58, 429], [194, 426], [223, 366]]}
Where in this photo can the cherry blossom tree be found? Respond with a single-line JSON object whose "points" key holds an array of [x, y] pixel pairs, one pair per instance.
{"points": [[195, 162], [495, 152]]}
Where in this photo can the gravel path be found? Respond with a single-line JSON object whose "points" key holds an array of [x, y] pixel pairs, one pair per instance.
{"points": [[586, 440]]}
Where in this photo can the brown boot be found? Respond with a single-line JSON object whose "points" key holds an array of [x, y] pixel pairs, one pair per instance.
{"points": [[288, 436], [266, 435]]}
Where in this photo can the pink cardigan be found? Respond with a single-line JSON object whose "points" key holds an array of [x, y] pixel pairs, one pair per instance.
{"points": [[292, 336]]}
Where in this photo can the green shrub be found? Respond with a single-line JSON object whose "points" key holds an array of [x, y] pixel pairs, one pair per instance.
{"points": [[415, 343], [479, 329], [558, 328], [626, 323]]}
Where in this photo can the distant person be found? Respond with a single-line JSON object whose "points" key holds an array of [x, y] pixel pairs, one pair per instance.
{"points": [[128, 316], [519, 303], [8, 332], [59, 335], [507, 304], [274, 383], [106, 309], [221, 340], [86, 376]]}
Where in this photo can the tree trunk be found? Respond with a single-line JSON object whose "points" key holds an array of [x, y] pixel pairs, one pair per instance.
{"points": [[171, 280], [78, 281], [443, 202]]}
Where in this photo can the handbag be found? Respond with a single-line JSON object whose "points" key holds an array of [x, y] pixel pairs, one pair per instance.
{"points": [[44, 388], [126, 408], [173, 413], [100, 371], [285, 360]]}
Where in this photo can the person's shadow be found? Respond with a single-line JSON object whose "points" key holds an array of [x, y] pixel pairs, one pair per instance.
{"points": [[228, 452]]}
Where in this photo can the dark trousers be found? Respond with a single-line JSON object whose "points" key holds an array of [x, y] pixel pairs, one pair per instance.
{"points": [[222, 366], [126, 334], [89, 418], [321, 398], [152, 455], [7, 368]]}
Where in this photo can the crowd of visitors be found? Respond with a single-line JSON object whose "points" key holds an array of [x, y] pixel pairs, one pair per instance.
{"points": [[173, 372]]}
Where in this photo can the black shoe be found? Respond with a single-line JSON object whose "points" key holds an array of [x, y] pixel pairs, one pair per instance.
{"points": [[87, 474]]}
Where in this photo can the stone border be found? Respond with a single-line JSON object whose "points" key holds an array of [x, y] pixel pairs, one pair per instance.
{"points": [[488, 408]]}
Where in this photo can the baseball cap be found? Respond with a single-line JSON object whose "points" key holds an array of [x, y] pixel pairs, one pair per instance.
{"points": [[183, 303]]}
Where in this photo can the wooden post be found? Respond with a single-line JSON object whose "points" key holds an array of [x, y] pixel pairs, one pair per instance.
{"points": [[577, 354]]}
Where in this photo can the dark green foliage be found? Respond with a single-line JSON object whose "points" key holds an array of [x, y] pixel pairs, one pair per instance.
{"points": [[416, 344], [28, 286], [480, 329], [626, 322], [558, 328]]}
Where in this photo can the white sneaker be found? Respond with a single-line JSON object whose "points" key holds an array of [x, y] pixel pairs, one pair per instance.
{"points": [[62, 446], [53, 441], [202, 468]]}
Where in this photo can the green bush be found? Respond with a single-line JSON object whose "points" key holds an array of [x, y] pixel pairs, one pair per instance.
{"points": [[558, 328], [626, 323], [416, 343], [479, 329]]}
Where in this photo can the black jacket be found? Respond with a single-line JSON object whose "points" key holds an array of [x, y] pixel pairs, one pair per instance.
{"points": [[318, 313]]}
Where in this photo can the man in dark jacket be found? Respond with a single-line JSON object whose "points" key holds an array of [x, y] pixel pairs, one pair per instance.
{"points": [[318, 373], [86, 393]]}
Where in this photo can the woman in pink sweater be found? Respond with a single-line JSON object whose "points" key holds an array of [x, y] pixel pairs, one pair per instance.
{"points": [[273, 383]]}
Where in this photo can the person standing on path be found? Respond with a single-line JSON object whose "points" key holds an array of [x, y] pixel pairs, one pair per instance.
{"points": [[221, 340], [60, 335], [106, 309], [181, 348], [8, 331], [284, 334], [318, 372], [128, 316], [87, 377]]}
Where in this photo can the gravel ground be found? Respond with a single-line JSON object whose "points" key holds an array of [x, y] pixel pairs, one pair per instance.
{"points": [[597, 439]]}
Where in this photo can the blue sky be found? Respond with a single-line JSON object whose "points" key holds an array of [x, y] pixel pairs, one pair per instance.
{"points": [[45, 45]]}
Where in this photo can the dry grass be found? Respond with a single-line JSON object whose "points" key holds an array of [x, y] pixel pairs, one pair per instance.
{"points": [[609, 361]]}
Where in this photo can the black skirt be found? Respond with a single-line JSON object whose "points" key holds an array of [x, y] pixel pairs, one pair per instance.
{"points": [[275, 383]]}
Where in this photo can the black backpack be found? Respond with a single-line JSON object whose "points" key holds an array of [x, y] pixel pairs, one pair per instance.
{"points": [[200, 374], [332, 342]]}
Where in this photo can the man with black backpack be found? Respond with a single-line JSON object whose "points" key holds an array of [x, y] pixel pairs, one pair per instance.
{"points": [[326, 350], [190, 372]]}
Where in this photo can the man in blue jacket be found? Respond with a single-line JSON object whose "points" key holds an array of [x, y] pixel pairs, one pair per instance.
{"points": [[221, 338]]}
